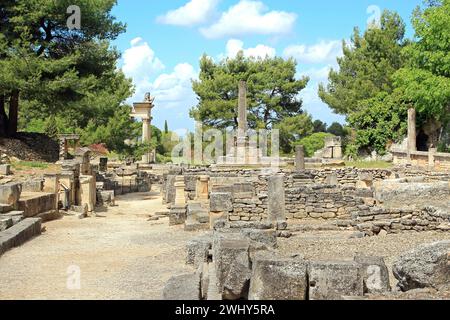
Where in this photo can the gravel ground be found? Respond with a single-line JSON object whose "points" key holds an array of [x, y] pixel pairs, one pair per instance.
{"points": [[337, 246], [120, 254]]}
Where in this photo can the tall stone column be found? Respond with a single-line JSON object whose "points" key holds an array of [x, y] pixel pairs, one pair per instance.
{"points": [[241, 142], [412, 135], [276, 199], [146, 137], [299, 158]]}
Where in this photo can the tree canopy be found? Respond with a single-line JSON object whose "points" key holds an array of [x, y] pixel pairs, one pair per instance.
{"points": [[273, 90]]}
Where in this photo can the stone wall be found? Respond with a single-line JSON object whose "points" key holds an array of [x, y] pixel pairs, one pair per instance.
{"points": [[372, 221]]}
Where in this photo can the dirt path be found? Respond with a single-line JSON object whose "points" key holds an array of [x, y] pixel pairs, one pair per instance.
{"points": [[120, 255]]}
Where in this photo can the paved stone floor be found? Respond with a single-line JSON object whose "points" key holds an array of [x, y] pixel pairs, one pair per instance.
{"points": [[120, 255]]}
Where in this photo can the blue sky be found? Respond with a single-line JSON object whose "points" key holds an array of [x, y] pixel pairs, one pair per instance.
{"points": [[164, 40]]}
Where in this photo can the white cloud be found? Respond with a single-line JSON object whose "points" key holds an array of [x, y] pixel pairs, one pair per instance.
{"points": [[250, 17], [173, 89], [140, 63], [192, 13], [322, 52], [260, 51]]}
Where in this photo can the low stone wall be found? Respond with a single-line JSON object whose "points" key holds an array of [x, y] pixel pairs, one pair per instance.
{"points": [[372, 221], [435, 160]]}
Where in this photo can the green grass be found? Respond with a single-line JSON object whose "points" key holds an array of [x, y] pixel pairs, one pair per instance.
{"points": [[369, 164], [29, 165]]}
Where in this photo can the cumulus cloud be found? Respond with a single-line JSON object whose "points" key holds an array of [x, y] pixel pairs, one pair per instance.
{"points": [[322, 52], [172, 90], [140, 63], [192, 13], [175, 88], [260, 51], [250, 17]]}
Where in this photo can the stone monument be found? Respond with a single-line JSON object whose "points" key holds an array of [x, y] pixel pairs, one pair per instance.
{"points": [[143, 110]]}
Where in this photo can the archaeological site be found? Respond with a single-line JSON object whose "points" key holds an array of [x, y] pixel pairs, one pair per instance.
{"points": [[254, 201]]}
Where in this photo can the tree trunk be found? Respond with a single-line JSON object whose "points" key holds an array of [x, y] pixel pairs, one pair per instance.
{"points": [[3, 117], [13, 113]]}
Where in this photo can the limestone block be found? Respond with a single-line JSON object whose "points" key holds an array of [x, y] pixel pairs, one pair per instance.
{"points": [[10, 193], [184, 287], [278, 279], [231, 257], [5, 169], [424, 267], [177, 215], [5, 223], [19, 233], [88, 192], [267, 237], [198, 250], [375, 274], [276, 199], [334, 280], [221, 202]]}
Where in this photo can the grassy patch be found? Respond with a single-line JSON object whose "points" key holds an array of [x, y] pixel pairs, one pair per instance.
{"points": [[29, 165], [369, 164]]}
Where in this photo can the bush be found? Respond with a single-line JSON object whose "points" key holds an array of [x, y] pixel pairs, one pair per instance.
{"points": [[313, 143]]}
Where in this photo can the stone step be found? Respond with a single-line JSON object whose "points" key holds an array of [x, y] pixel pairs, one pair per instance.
{"points": [[19, 234], [16, 216], [5, 223], [4, 208]]}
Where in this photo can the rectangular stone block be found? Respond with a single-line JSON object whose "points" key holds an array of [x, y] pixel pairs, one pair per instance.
{"points": [[20, 233], [184, 287], [231, 257], [177, 215], [375, 273], [10, 193], [276, 199], [278, 279], [5, 169], [221, 202], [5, 223], [335, 280]]}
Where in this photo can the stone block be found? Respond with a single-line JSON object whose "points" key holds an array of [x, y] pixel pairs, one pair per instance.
{"points": [[19, 234], [198, 250], [221, 202], [276, 199], [334, 280], [424, 267], [10, 193], [278, 278], [231, 257], [5, 169], [267, 237], [4, 208], [16, 216], [375, 274], [184, 287], [177, 215], [5, 223]]}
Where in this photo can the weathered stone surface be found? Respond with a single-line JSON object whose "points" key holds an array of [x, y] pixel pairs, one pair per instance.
{"points": [[184, 287], [170, 189], [19, 233], [332, 179], [251, 225], [276, 199], [334, 280], [375, 273], [278, 279], [221, 202], [267, 237], [4, 208], [177, 215], [231, 257], [5, 169], [198, 250], [10, 193], [5, 223], [16, 216], [423, 267]]}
